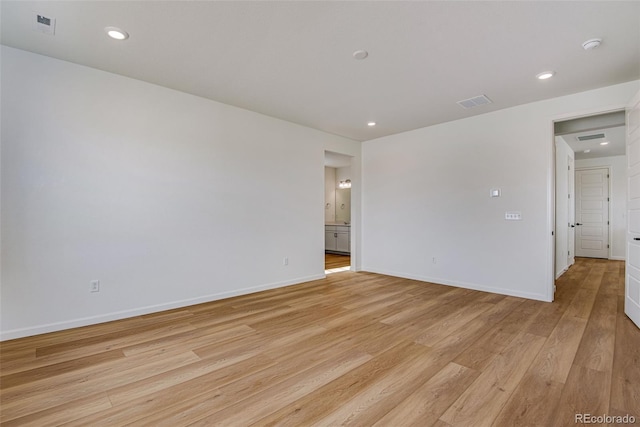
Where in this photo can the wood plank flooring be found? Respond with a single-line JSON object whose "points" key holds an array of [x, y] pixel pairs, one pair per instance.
{"points": [[352, 349], [336, 261]]}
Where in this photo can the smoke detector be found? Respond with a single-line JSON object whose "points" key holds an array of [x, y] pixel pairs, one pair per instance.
{"points": [[360, 54], [591, 44]]}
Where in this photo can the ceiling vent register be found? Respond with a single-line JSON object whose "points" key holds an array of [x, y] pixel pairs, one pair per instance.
{"points": [[476, 101], [590, 137]]}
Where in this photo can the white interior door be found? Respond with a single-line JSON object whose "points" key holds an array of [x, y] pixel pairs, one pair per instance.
{"points": [[592, 213], [571, 231], [632, 280]]}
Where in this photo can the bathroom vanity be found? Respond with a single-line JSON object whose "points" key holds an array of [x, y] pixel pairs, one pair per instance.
{"points": [[337, 238]]}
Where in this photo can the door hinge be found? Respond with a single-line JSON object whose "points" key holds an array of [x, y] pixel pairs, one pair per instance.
{"points": [[607, 175], [568, 252], [568, 168], [568, 196], [607, 246], [607, 199], [607, 222]]}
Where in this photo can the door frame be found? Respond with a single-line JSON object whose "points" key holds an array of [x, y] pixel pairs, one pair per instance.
{"points": [[551, 185], [571, 210], [356, 197]]}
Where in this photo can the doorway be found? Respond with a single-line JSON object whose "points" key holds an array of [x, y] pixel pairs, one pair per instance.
{"points": [[338, 176], [592, 221]]}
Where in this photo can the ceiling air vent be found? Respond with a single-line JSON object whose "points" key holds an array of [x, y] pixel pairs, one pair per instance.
{"points": [[476, 101], [590, 137]]}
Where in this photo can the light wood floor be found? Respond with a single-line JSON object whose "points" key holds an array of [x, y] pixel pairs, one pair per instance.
{"points": [[336, 261], [356, 348]]}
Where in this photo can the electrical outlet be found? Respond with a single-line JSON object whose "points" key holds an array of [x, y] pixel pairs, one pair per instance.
{"points": [[95, 286], [513, 216], [285, 261]]}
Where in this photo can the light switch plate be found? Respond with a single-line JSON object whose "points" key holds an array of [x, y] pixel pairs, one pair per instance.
{"points": [[513, 216], [44, 24]]}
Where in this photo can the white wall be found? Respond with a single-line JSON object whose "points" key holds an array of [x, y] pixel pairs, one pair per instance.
{"points": [[618, 204], [168, 199], [426, 195], [563, 152]]}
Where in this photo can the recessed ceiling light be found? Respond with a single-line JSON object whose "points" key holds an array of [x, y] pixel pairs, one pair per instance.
{"points": [[371, 124], [545, 75], [604, 143], [116, 33], [360, 54], [586, 151]]}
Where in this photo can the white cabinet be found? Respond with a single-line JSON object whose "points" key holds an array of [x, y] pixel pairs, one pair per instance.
{"points": [[343, 241], [337, 238], [330, 240]]}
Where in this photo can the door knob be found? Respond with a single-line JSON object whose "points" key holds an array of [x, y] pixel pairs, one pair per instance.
{"points": [[577, 223], [573, 226]]}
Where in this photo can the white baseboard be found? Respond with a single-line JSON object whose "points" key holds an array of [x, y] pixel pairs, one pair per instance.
{"points": [[108, 317], [465, 285], [617, 258], [564, 270]]}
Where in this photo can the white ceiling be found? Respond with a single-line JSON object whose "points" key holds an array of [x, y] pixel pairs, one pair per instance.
{"points": [[293, 59], [614, 136]]}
